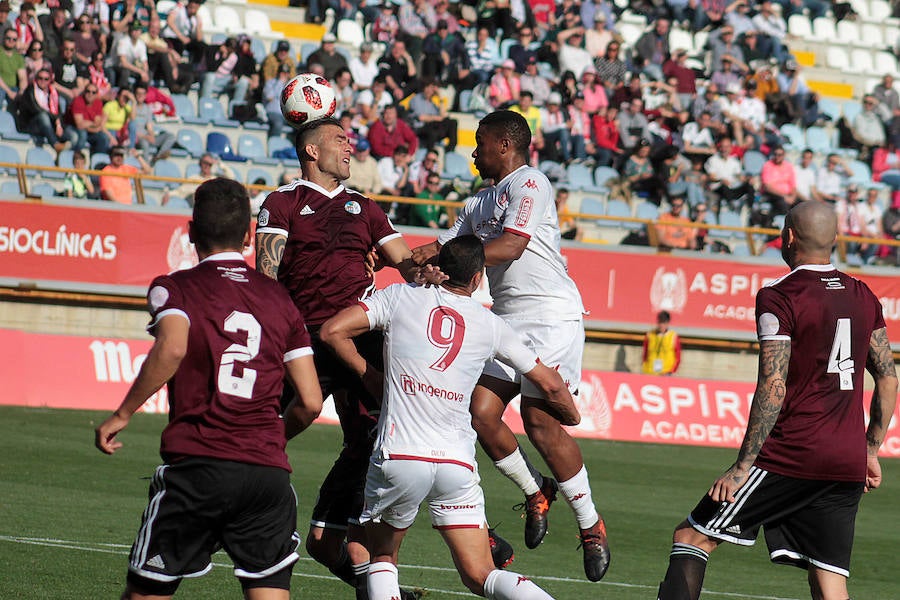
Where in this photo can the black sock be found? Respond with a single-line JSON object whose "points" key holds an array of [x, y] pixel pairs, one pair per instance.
{"points": [[684, 577], [343, 568], [361, 572]]}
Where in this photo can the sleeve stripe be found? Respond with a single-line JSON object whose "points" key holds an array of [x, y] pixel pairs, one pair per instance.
{"points": [[298, 353], [515, 232], [165, 313], [277, 230], [771, 338], [364, 306], [388, 238]]}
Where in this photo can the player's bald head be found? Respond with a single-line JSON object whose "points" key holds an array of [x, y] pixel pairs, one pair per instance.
{"points": [[814, 227]]}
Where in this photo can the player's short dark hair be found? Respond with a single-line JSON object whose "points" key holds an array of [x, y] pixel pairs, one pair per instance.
{"points": [[306, 133], [509, 124], [221, 215], [663, 316], [460, 259]]}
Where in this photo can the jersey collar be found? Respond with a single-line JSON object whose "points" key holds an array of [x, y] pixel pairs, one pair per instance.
{"points": [[221, 256], [818, 268], [525, 166], [332, 194]]}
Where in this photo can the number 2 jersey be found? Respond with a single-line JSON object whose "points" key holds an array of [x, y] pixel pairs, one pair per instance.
{"points": [[536, 285], [828, 317], [224, 400], [436, 344]]}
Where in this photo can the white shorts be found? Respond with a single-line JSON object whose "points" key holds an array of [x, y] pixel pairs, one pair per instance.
{"points": [[396, 488], [558, 344]]}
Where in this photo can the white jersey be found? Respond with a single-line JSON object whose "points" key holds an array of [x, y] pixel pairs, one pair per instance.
{"points": [[436, 344], [536, 285]]}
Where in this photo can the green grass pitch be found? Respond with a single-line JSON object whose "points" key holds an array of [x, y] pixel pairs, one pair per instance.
{"points": [[68, 515]]}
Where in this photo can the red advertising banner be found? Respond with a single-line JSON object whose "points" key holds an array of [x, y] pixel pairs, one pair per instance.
{"points": [[94, 373]]}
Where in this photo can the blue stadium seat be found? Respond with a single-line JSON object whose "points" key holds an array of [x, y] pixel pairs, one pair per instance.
{"points": [[277, 143], [186, 110], [8, 129], [850, 109], [581, 177], [64, 159], [10, 188], [8, 154], [99, 160], [456, 165], [177, 202], [163, 168], [602, 175], [42, 158], [619, 208], [646, 210], [796, 139], [191, 141], [818, 140], [211, 110], [254, 173], [753, 162], [592, 206], [250, 147], [220, 145], [862, 174], [829, 107], [44, 190]]}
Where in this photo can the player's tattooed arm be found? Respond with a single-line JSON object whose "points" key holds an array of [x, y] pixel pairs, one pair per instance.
{"points": [[880, 364], [774, 357], [269, 251]]}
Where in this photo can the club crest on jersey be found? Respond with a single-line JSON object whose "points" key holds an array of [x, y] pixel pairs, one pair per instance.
{"points": [[353, 207], [531, 185], [263, 219], [503, 200], [158, 296], [524, 211]]}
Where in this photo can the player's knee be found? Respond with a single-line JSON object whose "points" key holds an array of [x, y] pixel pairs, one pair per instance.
{"points": [[685, 534], [474, 580], [319, 550], [485, 419]]}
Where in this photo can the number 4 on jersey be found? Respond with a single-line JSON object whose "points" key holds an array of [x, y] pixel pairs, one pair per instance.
{"points": [[839, 361]]}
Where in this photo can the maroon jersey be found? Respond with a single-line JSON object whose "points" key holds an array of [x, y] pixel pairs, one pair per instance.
{"points": [[829, 318], [224, 398], [328, 236]]}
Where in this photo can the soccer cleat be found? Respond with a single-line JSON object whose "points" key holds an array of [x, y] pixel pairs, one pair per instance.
{"points": [[501, 550], [536, 507], [412, 594], [596, 551]]}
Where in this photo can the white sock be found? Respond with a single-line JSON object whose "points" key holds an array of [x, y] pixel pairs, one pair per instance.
{"points": [[577, 492], [516, 467], [383, 581], [506, 585]]}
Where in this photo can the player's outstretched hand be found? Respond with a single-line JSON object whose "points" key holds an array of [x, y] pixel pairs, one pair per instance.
{"points": [[873, 473], [563, 405], [424, 254], [105, 434], [373, 262], [724, 488], [429, 275]]}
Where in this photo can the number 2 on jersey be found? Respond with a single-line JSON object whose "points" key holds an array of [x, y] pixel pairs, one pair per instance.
{"points": [[840, 361], [228, 382], [446, 329]]}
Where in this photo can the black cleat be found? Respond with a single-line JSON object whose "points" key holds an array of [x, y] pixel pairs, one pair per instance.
{"points": [[412, 594], [501, 550], [596, 551], [536, 507]]}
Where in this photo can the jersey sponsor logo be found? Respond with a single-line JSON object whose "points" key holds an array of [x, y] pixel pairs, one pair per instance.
{"points": [[238, 274], [412, 386], [156, 562], [767, 324], [263, 219], [353, 207], [531, 185], [524, 211], [458, 506], [158, 297], [833, 283], [306, 210], [503, 200], [668, 290]]}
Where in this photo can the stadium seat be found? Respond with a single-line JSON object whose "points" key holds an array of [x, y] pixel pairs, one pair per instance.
{"points": [[630, 33], [823, 29], [848, 32], [254, 173], [219, 144], [456, 165], [8, 129], [646, 210], [836, 56], [679, 38], [553, 170], [862, 174], [250, 146], [217, 38], [210, 111], [581, 177], [850, 108], [592, 206], [740, 249], [191, 141], [818, 140], [178, 203], [880, 12], [164, 168], [885, 62], [799, 26], [227, 20], [729, 218], [163, 7], [9, 188], [99, 160], [41, 158], [349, 32], [861, 59], [306, 49], [65, 159], [505, 45], [256, 23], [277, 143], [8, 154], [871, 35], [602, 175], [186, 110], [753, 162], [44, 190], [206, 17], [258, 48], [465, 96], [829, 107], [619, 208]]}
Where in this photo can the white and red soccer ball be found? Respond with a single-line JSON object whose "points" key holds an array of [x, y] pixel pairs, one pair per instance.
{"points": [[307, 97]]}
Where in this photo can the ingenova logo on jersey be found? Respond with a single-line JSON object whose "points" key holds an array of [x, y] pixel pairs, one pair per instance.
{"points": [[61, 243]]}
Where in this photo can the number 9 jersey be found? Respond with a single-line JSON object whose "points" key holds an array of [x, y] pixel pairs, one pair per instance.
{"points": [[828, 317]]}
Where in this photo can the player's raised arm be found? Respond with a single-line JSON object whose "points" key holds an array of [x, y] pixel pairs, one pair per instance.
{"points": [[771, 385], [307, 404], [269, 252], [505, 248], [399, 256], [162, 361], [880, 364]]}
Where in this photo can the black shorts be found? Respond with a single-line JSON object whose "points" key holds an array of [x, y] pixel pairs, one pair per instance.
{"points": [[342, 494], [806, 522], [200, 505]]}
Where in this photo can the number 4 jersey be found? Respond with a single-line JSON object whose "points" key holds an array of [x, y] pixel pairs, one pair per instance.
{"points": [[436, 344], [828, 317], [224, 398]]}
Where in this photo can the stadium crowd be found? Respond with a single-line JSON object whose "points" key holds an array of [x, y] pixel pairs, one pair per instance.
{"points": [[715, 128]]}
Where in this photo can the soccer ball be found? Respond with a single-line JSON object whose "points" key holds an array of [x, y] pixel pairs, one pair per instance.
{"points": [[307, 97]]}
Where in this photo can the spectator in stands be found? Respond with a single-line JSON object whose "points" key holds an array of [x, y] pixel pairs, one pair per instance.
{"points": [[363, 67], [640, 174], [652, 49], [86, 122], [27, 27], [726, 76], [132, 58], [432, 216], [739, 18], [419, 169], [149, 103], [98, 76], [364, 176], [118, 115], [442, 12], [12, 67], [35, 61], [709, 14], [389, 132], [723, 44], [272, 101], [386, 26], [582, 141], [87, 40], [163, 62], [222, 75], [556, 131], [327, 55], [746, 116], [890, 224], [701, 214], [370, 103], [611, 69], [710, 102], [39, 112], [273, 62], [698, 137], [888, 98], [77, 185], [97, 12], [69, 75], [633, 124], [599, 37], [430, 119], [506, 86], [778, 182], [399, 71], [686, 77], [754, 52], [483, 55], [568, 228], [806, 177], [870, 216], [572, 55], [813, 9], [830, 180], [886, 164], [802, 102], [114, 187], [5, 23], [605, 129], [672, 231], [446, 55], [343, 91], [184, 31], [536, 84], [661, 354], [772, 31], [727, 178], [525, 47], [124, 14], [56, 28], [868, 129], [395, 181], [848, 219], [211, 167], [417, 20], [593, 90]]}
